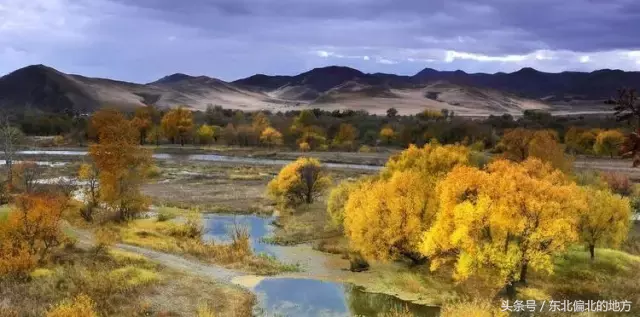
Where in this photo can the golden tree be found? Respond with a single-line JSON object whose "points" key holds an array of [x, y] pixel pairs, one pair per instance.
{"points": [[206, 134], [260, 122], [605, 221], [338, 199], [346, 136], [608, 142], [387, 135], [177, 124], [142, 122], [271, 137], [302, 181], [384, 219], [88, 173], [121, 163], [506, 219], [544, 145]]}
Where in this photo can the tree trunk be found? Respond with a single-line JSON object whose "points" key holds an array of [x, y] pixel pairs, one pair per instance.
{"points": [[511, 290], [592, 251], [523, 272]]}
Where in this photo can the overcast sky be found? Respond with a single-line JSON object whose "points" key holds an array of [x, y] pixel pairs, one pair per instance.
{"points": [[143, 40]]}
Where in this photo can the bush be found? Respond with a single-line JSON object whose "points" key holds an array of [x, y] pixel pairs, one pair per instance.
{"points": [[81, 306], [618, 182], [365, 149], [165, 215]]}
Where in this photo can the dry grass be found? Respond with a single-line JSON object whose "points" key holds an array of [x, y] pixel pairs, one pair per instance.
{"points": [[185, 239], [118, 283], [474, 308], [73, 272]]}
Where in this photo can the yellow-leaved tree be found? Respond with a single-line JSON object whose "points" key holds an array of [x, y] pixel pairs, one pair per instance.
{"points": [[206, 134], [271, 137], [338, 199], [121, 162], [608, 142], [310, 136], [260, 122], [505, 220], [302, 181], [346, 137], [606, 220], [387, 135], [384, 219], [177, 124]]}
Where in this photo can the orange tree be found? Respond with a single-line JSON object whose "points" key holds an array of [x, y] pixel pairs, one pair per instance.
{"points": [[121, 162], [31, 230], [142, 121]]}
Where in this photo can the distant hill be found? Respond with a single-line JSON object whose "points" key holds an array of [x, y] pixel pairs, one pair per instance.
{"points": [[333, 87]]}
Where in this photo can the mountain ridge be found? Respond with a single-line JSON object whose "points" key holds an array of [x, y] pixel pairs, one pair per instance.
{"points": [[329, 87]]}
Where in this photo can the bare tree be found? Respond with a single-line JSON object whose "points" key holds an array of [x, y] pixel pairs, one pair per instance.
{"points": [[10, 137], [627, 107]]}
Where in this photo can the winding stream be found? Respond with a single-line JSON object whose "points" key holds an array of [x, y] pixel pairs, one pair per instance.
{"points": [[303, 296]]}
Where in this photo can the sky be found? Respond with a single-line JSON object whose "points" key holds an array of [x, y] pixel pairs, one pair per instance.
{"points": [[143, 40]]}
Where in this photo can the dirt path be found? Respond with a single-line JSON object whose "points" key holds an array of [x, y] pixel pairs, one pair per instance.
{"points": [[176, 262]]}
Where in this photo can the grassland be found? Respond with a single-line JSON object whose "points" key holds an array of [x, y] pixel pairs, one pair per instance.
{"points": [[120, 284]]}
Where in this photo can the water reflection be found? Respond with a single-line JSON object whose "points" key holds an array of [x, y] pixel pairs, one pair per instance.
{"points": [[218, 227], [305, 297]]}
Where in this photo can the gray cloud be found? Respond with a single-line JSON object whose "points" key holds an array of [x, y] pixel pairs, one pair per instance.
{"points": [[142, 40]]}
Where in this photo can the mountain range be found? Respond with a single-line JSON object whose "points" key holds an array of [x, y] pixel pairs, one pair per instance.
{"points": [[333, 87]]}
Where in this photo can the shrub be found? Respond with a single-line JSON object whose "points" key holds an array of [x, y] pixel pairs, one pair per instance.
{"points": [[618, 182], [105, 237], [365, 149], [134, 276], [81, 306]]}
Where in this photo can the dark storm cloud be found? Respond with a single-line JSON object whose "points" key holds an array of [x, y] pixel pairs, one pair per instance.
{"points": [[144, 39]]}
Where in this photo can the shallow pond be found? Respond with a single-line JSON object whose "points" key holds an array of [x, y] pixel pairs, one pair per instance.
{"points": [[208, 158], [278, 296]]}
